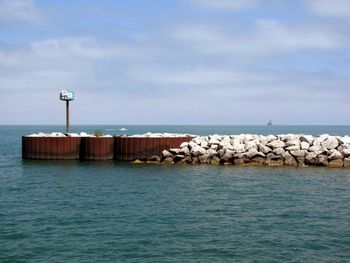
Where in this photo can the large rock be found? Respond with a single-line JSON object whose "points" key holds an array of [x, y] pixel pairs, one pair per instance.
{"points": [[276, 144], [197, 151], [155, 158], [211, 152], [278, 151], [258, 161], [298, 153], [205, 158], [307, 138], [315, 148], [221, 152], [227, 156], [213, 141], [168, 160], [271, 162], [214, 147], [264, 149], [293, 142], [293, 148], [347, 162], [330, 143], [322, 160], [344, 140], [204, 144], [174, 150], [238, 147], [187, 159], [184, 144], [289, 160], [184, 151], [215, 160], [166, 154], [338, 163], [304, 145], [335, 155], [250, 145], [310, 158], [254, 152]]}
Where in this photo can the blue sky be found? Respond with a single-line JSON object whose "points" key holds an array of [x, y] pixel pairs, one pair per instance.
{"points": [[176, 61]]}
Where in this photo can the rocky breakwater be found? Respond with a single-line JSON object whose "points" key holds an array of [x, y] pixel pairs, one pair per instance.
{"points": [[271, 150]]}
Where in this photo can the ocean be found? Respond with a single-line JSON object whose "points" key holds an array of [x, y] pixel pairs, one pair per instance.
{"points": [[71, 211]]}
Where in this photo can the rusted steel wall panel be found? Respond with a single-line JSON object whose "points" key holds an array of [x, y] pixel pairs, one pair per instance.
{"points": [[51, 148], [131, 148], [98, 148]]}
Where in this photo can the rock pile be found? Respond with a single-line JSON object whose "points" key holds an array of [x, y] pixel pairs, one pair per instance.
{"points": [[60, 134], [272, 150]]}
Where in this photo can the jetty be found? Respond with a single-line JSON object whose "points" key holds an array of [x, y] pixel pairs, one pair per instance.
{"points": [[244, 149]]}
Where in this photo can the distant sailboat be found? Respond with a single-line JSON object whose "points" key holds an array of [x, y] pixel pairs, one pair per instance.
{"points": [[269, 123]]}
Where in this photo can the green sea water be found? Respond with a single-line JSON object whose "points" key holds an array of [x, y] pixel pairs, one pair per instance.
{"points": [[71, 211]]}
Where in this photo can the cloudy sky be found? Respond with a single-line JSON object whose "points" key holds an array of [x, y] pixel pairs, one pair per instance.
{"points": [[175, 61]]}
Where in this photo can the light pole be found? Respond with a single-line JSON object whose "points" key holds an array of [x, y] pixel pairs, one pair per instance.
{"points": [[67, 96]]}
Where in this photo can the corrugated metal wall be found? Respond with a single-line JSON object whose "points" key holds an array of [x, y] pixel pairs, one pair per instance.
{"points": [[132, 148], [55, 148], [92, 148]]}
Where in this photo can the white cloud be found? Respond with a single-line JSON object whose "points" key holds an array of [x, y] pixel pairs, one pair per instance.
{"points": [[21, 10], [268, 37], [334, 8], [225, 4]]}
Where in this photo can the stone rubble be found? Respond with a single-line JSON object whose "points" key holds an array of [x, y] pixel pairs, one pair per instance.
{"points": [[271, 150]]}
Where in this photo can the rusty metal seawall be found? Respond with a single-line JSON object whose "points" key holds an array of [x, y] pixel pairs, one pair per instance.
{"points": [[132, 148], [101, 148], [94, 149], [51, 148]]}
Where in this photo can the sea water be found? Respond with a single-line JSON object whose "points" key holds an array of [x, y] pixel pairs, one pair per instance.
{"points": [[71, 211]]}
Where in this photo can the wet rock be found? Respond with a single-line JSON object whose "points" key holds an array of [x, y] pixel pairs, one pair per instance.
{"points": [[195, 160], [271, 162], [205, 158], [186, 160], [301, 161], [168, 160], [337, 163], [239, 161], [273, 156], [178, 157], [322, 160], [215, 160], [310, 158], [227, 156], [346, 162], [289, 160], [166, 154], [258, 161], [155, 158], [335, 155]]}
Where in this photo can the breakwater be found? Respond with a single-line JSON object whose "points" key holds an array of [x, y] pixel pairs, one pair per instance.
{"points": [[271, 150], [243, 149]]}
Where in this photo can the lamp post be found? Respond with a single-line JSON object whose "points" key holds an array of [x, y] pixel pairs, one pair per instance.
{"points": [[67, 96]]}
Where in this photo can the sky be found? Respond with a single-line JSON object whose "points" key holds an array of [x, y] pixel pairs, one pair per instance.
{"points": [[227, 62]]}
